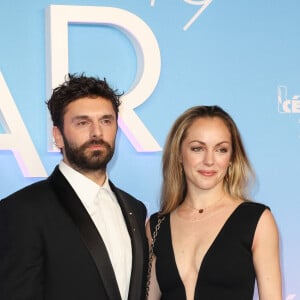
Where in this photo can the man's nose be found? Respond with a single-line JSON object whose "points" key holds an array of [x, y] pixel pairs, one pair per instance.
{"points": [[96, 130]]}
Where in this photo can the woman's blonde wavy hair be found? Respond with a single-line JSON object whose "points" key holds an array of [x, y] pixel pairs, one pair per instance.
{"points": [[174, 186]]}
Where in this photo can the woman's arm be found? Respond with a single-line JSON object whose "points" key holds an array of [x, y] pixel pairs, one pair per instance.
{"points": [[266, 258], [154, 290]]}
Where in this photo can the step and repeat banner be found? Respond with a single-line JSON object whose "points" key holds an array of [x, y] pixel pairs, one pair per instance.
{"points": [[166, 55]]}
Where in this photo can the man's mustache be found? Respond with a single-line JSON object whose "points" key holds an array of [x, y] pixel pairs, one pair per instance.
{"points": [[96, 142]]}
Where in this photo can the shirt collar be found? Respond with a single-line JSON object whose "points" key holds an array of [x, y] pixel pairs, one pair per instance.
{"points": [[85, 188]]}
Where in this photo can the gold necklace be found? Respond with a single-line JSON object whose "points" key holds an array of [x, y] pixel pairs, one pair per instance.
{"points": [[201, 210]]}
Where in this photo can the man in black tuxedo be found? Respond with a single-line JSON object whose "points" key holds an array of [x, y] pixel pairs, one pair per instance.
{"points": [[75, 236]]}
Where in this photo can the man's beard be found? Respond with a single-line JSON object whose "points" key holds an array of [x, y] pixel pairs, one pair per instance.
{"points": [[89, 160]]}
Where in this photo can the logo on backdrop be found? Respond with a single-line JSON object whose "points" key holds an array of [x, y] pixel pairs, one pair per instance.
{"points": [[285, 104], [203, 5], [288, 105]]}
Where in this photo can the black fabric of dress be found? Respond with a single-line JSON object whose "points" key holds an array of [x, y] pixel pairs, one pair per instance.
{"points": [[226, 272]]}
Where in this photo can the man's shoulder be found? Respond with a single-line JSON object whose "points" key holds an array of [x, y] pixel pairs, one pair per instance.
{"points": [[127, 196], [28, 193], [130, 197], [37, 188]]}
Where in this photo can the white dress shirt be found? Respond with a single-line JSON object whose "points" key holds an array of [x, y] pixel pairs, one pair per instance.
{"points": [[104, 210]]}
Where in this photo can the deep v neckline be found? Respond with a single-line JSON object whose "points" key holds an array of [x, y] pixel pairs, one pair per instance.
{"points": [[209, 250]]}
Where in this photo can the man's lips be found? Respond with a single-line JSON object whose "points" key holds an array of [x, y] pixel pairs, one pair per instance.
{"points": [[96, 146]]}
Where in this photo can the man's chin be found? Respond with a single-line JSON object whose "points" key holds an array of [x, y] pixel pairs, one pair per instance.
{"points": [[92, 166]]}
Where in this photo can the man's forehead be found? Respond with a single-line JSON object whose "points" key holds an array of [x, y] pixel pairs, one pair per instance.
{"points": [[90, 106]]}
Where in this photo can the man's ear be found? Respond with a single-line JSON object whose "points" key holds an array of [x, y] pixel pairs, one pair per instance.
{"points": [[58, 138]]}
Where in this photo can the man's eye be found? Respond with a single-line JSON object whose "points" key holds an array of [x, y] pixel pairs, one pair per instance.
{"points": [[82, 123], [106, 121]]}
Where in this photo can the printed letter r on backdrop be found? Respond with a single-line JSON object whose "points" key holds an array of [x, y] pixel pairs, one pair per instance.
{"points": [[148, 60]]}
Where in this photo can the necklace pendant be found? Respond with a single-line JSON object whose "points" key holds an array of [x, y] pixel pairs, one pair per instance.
{"points": [[201, 210]]}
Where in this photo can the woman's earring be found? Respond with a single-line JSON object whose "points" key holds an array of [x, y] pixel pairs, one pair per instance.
{"points": [[181, 168]]}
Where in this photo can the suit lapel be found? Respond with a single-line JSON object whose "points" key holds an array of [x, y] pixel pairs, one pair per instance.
{"points": [[89, 233], [136, 280]]}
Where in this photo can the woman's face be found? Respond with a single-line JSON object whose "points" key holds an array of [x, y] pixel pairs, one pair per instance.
{"points": [[206, 153]]}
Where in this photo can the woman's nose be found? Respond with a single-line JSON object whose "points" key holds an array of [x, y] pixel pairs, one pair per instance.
{"points": [[209, 158]]}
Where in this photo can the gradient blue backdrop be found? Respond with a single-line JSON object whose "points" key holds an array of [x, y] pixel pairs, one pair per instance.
{"points": [[236, 55]]}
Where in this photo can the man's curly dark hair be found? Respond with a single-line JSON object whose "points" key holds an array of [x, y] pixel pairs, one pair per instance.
{"points": [[79, 86]]}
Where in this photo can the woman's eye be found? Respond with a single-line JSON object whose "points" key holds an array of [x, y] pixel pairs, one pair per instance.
{"points": [[223, 150], [196, 149]]}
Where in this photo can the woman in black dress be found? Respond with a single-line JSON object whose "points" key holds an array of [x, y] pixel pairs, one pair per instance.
{"points": [[212, 242]]}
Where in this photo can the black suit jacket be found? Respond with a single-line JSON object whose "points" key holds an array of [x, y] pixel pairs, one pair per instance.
{"points": [[50, 248]]}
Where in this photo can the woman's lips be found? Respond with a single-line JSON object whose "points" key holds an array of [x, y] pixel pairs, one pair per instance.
{"points": [[207, 173]]}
